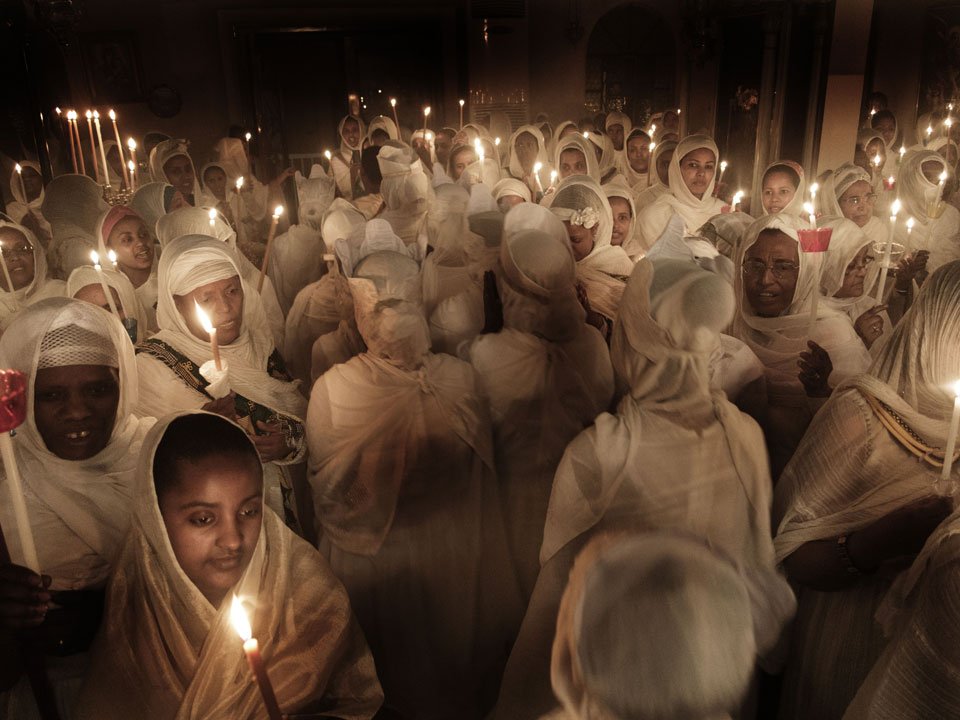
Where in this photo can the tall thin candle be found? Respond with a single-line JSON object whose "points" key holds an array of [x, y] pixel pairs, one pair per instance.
{"points": [[894, 209], [95, 259], [133, 175], [266, 253], [132, 147], [426, 114], [73, 147], [116, 135], [23, 190], [396, 120], [952, 434], [461, 114], [76, 133], [103, 155], [251, 649], [209, 328], [93, 149]]}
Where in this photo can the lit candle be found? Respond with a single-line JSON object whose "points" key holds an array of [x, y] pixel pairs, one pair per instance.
{"points": [[461, 114], [23, 190], [278, 211], [903, 151], [251, 649], [910, 223], [876, 161], [210, 330], [586, 135], [653, 129], [536, 173], [478, 146], [75, 124], [248, 137], [553, 178], [95, 259], [873, 111], [93, 147], [14, 390], [723, 169], [213, 216], [103, 155], [811, 213], [112, 257], [393, 106], [813, 192], [132, 147], [894, 209], [952, 434], [948, 123], [943, 181], [426, 114], [929, 133], [133, 175], [116, 135], [496, 141], [735, 203], [652, 146]]}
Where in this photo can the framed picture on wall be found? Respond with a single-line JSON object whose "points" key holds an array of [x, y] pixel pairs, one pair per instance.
{"points": [[940, 73], [112, 65]]}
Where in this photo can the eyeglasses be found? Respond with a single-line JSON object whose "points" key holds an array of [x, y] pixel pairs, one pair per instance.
{"points": [[756, 268], [20, 249], [867, 261], [856, 200]]}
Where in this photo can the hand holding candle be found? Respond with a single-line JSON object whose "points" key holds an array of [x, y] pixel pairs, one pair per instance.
{"points": [[238, 617], [278, 211], [208, 328], [13, 411]]}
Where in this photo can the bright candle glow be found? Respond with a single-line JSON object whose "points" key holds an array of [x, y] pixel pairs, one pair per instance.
{"points": [[95, 258], [327, 155], [239, 183], [538, 167], [426, 111], [248, 136], [89, 115], [461, 103], [277, 212], [895, 208], [496, 141], [723, 165], [208, 328], [18, 169], [586, 135], [130, 165], [112, 114], [112, 257], [132, 144], [737, 197], [213, 216], [910, 224], [393, 102], [238, 616]]}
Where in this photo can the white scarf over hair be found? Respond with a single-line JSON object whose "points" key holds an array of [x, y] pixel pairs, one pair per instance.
{"points": [[602, 271], [636, 180], [513, 161], [578, 142], [694, 211], [655, 188], [40, 287], [847, 239], [130, 306], [19, 207], [828, 199], [940, 236], [406, 192], [165, 651], [72, 205], [82, 506], [167, 150], [631, 245], [795, 206]]}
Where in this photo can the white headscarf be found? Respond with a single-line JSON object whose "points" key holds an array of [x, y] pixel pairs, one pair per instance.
{"points": [[40, 287], [941, 236], [511, 186], [161, 632], [150, 203], [406, 191], [578, 142], [846, 240], [616, 117], [382, 122], [129, 304], [231, 155], [20, 207], [513, 161], [828, 199], [347, 150], [795, 206], [633, 177], [631, 246], [91, 497], [608, 155], [72, 205], [207, 197], [166, 151]]}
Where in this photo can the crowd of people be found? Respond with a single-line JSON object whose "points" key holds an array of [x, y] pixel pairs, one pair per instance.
{"points": [[537, 425]]}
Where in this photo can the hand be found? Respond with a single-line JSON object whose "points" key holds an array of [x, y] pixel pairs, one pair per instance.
{"points": [[593, 318], [225, 406], [24, 597], [273, 445], [869, 326], [815, 368], [909, 266], [279, 179]]}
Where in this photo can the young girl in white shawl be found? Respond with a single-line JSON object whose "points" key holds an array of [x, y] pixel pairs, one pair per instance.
{"points": [[28, 209], [675, 455], [76, 453], [575, 155], [170, 162], [177, 372], [402, 471], [26, 263], [783, 189], [201, 540], [602, 268], [861, 496], [547, 375], [624, 212], [690, 195], [123, 231], [634, 161], [72, 204], [345, 162], [775, 284], [525, 149]]}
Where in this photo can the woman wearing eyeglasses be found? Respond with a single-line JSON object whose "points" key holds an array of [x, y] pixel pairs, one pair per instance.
{"points": [[25, 268], [775, 290]]}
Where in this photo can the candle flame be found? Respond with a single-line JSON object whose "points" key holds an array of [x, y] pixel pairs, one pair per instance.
{"points": [[496, 141], [131, 143], [586, 135], [653, 128], [96, 114], [873, 111], [327, 154], [903, 151], [18, 169], [239, 620], [910, 224], [891, 179], [89, 115], [929, 129], [948, 122], [678, 111], [538, 167], [895, 208], [393, 102], [723, 165], [248, 136], [112, 114], [737, 197], [95, 258], [239, 183], [277, 212], [943, 176], [71, 114], [130, 165], [208, 328], [652, 146], [58, 110], [813, 189], [808, 208], [461, 103], [876, 159], [553, 176], [426, 111], [213, 216], [955, 386]]}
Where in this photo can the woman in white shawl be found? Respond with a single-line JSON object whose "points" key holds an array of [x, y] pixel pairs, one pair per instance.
{"points": [[177, 373], [170, 162], [72, 205], [28, 210], [26, 263], [402, 471], [547, 375], [658, 183], [861, 496], [525, 149], [167, 649], [345, 163], [602, 268], [617, 127], [871, 155], [691, 181], [848, 192], [624, 212], [697, 624], [121, 230], [783, 189], [937, 226], [606, 156], [575, 155], [196, 221], [77, 454], [885, 123], [775, 285], [380, 130], [84, 284], [406, 193], [675, 455], [634, 161]]}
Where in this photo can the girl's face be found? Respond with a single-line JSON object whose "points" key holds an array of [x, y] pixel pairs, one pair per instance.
{"points": [[572, 162], [222, 301], [581, 239], [18, 254], [778, 191], [215, 180], [213, 521], [696, 169], [351, 132], [131, 242], [621, 220]]}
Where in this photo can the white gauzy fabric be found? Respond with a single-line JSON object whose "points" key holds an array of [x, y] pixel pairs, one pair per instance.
{"points": [[401, 465], [342, 159], [637, 181], [547, 375], [675, 455], [511, 186], [938, 235], [576, 141], [828, 199], [655, 188], [165, 651], [849, 472], [406, 192], [631, 245], [129, 305], [166, 151], [384, 123], [18, 208], [847, 239], [777, 342], [196, 221], [513, 160], [251, 207], [608, 155], [72, 205], [795, 206], [150, 203], [694, 211], [604, 270], [698, 622], [40, 287]]}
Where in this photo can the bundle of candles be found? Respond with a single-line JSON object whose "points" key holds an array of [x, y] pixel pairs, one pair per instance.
{"points": [[128, 172]]}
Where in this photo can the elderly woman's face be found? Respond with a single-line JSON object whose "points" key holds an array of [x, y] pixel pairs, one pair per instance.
{"points": [[581, 239], [857, 202], [18, 255], [572, 162], [855, 274], [697, 168], [222, 301], [75, 407], [461, 161], [770, 269]]}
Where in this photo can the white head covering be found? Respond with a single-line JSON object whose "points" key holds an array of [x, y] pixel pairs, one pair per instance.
{"points": [[315, 195], [150, 203], [631, 246], [194, 221], [17, 193], [72, 205], [828, 199], [160, 630], [231, 155], [405, 189], [206, 195], [342, 220], [164, 152], [846, 240], [630, 175], [86, 275], [915, 191], [511, 186], [377, 236], [578, 142], [795, 206], [382, 122], [40, 287], [513, 162], [660, 149], [681, 194], [92, 497], [608, 154], [615, 117], [345, 148]]}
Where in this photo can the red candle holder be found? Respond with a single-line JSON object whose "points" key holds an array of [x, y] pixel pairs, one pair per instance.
{"points": [[815, 240], [889, 184], [13, 399]]}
